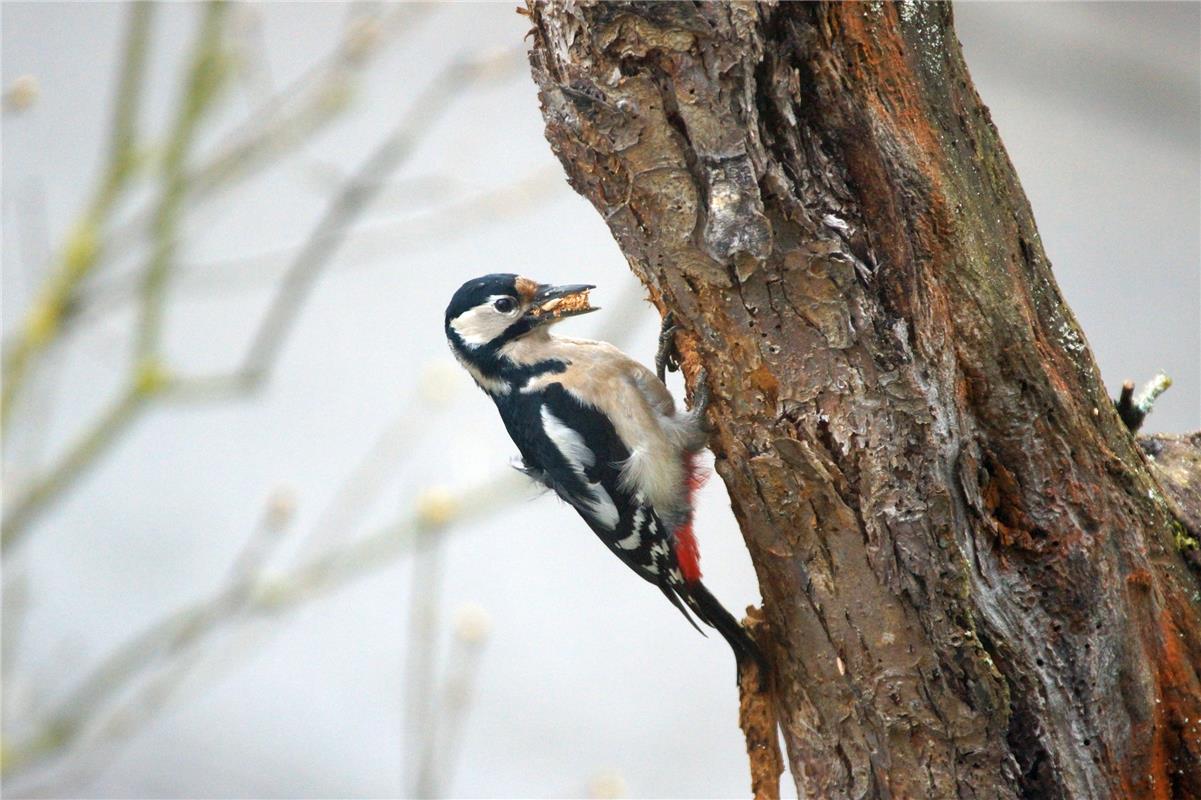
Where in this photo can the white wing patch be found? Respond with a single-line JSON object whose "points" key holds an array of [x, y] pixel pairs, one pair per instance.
{"points": [[570, 442], [571, 445]]}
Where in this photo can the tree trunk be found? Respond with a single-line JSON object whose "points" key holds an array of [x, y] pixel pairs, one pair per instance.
{"points": [[973, 582]]}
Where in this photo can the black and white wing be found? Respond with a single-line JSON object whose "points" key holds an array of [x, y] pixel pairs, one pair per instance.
{"points": [[574, 449]]}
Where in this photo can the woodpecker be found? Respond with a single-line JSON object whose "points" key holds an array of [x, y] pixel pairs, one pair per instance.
{"points": [[598, 428]]}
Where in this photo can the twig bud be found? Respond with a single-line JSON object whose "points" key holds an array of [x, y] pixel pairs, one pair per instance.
{"points": [[22, 93], [436, 507], [473, 623]]}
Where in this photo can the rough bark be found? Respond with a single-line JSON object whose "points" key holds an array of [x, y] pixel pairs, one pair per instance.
{"points": [[757, 718], [972, 578]]}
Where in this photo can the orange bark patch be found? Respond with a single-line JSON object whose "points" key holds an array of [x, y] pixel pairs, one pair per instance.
{"points": [[1172, 769], [763, 380]]}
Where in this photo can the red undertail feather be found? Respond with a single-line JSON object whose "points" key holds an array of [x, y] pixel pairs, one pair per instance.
{"points": [[688, 555]]}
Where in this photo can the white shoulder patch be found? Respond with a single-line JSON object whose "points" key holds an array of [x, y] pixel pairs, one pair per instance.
{"points": [[570, 442], [575, 451]]}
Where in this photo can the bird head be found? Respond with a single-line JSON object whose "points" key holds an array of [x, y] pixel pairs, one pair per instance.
{"points": [[491, 311]]}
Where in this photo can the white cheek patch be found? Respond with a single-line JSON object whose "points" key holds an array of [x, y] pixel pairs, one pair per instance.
{"points": [[482, 324]]}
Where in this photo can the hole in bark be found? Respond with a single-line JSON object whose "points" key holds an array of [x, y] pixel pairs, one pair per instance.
{"points": [[1036, 778], [824, 435]]}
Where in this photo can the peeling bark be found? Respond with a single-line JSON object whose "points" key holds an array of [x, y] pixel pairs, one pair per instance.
{"points": [[971, 575], [757, 718]]}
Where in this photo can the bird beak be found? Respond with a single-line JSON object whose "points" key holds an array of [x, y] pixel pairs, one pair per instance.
{"points": [[553, 303]]}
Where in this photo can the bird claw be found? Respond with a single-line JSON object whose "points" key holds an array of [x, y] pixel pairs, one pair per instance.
{"points": [[666, 357]]}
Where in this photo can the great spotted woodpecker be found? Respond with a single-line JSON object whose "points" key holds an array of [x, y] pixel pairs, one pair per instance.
{"points": [[598, 428]]}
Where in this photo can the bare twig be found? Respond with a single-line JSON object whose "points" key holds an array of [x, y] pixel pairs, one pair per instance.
{"points": [[266, 596], [171, 643], [26, 444], [1133, 410], [331, 230], [289, 117], [421, 724], [426, 229], [104, 429], [41, 326], [204, 79], [148, 376], [441, 745], [151, 378], [333, 226]]}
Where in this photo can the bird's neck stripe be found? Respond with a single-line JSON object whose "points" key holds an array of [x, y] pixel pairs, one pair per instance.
{"points": [[489, 383], [492, 364]]}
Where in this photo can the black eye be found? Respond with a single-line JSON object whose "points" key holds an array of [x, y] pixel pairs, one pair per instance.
{"points": [[504, 305]]}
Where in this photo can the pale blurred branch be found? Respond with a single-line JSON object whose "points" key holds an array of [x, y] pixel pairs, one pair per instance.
{"points": [[137, 678], [332, 229], [439, 744], [104, 429], [285, 120], [147, 377], [427, 228], [123, 144], [118, 229], [41, 326], [425, 603], [151, 378], [264, 595], [23, 451], [203, 83], [288, 118]]}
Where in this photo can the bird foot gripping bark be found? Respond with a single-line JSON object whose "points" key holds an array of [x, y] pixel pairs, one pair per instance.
{"points": [[666, 357]]}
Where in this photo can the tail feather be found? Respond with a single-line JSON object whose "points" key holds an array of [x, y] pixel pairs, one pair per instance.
{"points": [[711, 612], [671, 594]]}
